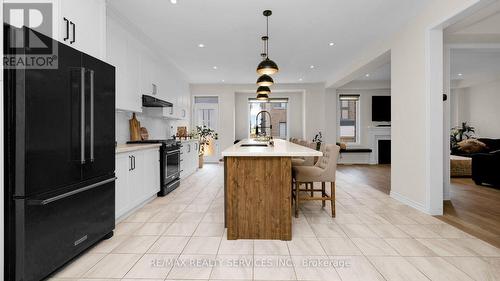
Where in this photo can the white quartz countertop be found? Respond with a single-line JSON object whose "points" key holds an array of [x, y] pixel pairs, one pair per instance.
{"points": [[190, 140], [281, 148], [121, 148]]}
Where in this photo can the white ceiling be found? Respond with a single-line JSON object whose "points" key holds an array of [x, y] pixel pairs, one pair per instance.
{"points": [[475, 66], [481, 27], [300, 33], [383, 73]]}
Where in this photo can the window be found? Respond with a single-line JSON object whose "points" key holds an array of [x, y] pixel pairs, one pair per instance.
{"points": [[277, 126], [349, 121], [283, 130]]}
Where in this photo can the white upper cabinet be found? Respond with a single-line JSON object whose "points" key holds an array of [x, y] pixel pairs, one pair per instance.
{"points": [[141, 70], [127, 94], [147, 70], [80, 24], [83, 26], [133, 74]]}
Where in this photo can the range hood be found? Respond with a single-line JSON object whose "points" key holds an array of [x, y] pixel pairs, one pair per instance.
{"points": [[150, 101]]}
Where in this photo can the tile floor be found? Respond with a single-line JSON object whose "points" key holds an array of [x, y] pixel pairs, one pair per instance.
{"points": [[181, 237]]}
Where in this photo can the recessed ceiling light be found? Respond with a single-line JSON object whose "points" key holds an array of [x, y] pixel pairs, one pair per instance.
{"points": [[460, 74], [331, 44], [201, 45], [215, 67], [173, 1], [367, 75], [223, 80], [311, 67], [300, 79]]}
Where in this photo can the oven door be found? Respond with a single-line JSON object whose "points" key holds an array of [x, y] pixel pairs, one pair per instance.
{"points": [[173, 167]]}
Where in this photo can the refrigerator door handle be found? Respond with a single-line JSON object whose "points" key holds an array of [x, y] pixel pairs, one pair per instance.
{"points": [[71, 193], [82, 116], [92, 116]]}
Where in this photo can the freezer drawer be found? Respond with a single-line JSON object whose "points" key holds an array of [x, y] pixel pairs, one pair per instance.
{"points": [[51, 231]]}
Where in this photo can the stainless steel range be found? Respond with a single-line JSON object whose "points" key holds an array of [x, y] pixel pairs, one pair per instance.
{"points": [[170, 164]]}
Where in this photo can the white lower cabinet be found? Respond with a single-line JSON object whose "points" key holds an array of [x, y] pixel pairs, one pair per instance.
{"points": [[189, 158], [138, 174]]}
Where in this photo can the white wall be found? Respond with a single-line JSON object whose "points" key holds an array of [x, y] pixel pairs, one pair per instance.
{"points": [[314, 107], [295, 113], [459, 106], [158, 128], [414, 180], [479, 106]]}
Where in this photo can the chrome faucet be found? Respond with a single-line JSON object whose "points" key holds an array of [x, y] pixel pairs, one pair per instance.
{"points": [[262, 123]]}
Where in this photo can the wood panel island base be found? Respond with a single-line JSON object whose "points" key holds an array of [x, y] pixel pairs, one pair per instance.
{"points": [[257, 186]]}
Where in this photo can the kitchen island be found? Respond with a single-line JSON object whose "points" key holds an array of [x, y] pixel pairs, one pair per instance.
{"points": [[257, 188]]}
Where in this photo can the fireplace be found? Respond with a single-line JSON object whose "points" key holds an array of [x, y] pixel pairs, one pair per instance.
{"points": [[384, 151]]}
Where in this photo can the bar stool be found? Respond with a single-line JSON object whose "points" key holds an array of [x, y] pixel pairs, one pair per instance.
{"points": [[323, 171], [305, 161]]}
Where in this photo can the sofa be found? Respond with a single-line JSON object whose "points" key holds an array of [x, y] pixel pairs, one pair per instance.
{"points": [[486, 168], [491, 144], [485, 164]]}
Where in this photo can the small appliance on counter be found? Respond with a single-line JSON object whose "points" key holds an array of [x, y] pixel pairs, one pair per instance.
{"points": [[170, 164]]}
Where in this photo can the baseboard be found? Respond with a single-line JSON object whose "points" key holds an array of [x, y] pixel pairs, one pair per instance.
{"points": [[128, 213], [409, 202]]}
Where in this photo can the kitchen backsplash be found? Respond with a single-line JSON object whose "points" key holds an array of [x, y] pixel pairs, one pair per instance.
{"points": [[158, 128]]}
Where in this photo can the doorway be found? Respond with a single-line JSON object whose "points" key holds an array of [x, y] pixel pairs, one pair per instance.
{"points": [[472, 79], [206, 113]]}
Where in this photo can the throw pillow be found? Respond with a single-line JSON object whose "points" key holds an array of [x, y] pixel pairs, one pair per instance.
{"points": [[342, 145], [471, 146]]}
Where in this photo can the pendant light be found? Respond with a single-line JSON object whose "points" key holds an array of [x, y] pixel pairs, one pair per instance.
{"points": [[267, 66], [265, 80], [263, 90], [262, 97]]}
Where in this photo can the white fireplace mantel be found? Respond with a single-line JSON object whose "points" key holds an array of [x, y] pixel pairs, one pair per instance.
{"points": [[374, 135]]}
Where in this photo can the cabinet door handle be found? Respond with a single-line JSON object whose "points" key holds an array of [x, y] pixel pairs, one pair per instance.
{"points": [[130, 163], [73, 25], [67, 29], [133, 161], [189, 148]]}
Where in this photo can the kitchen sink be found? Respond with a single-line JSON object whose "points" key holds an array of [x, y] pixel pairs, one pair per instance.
{"points": [[254, 145]]}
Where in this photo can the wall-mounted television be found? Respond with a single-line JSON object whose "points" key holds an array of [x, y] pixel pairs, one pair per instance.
{"points": [[381, 108]]}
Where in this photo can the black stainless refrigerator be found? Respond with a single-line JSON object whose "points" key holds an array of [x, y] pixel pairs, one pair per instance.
{"points": [[60, 161]]}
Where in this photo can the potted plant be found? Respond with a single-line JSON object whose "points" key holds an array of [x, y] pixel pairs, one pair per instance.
{"points": [[318, 139], [204, 135], [461, 133]]}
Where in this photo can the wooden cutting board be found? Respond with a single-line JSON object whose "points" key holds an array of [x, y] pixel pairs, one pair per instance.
{"points": [[135, 126]]}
